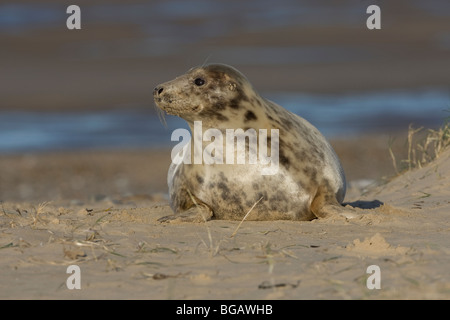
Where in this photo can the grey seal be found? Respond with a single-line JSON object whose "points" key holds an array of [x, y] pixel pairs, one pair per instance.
{"points": [[310, 182]]}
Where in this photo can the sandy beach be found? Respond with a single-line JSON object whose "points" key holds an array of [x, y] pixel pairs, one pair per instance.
{"points": [[124, 253]]}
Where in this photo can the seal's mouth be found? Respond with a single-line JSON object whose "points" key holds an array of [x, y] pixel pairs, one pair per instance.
{"points": [[175, 107], [171, 111], [163, 99], [164, 102], [166, 106]]}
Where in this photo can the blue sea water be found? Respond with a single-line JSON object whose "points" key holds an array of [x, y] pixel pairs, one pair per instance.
{"points": [[334, 115]]}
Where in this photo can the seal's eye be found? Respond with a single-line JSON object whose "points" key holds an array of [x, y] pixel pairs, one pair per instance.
{"points": [[199, 82]]}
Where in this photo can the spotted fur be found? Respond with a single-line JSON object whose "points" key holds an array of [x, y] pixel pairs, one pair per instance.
{"points": [[310, 178]]}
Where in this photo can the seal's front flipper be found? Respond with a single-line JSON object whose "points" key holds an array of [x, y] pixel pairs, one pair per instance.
{"points": [[325, 205], [336, 209], [197, 214]]}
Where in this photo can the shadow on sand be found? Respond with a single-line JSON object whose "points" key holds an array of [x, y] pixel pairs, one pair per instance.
{"points": [[364, 204]]}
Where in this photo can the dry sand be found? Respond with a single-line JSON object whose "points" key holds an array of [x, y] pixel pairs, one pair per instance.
{"points": [[124, 253]]}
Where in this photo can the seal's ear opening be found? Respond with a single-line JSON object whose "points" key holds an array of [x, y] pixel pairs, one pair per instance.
{"points": [[231, 86]]}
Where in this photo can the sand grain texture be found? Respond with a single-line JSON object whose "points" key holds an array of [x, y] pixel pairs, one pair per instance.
{"points": [[124, 253]]}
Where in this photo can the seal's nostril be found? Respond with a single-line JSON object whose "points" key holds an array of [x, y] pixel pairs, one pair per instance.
{"points": [[158, 90]]}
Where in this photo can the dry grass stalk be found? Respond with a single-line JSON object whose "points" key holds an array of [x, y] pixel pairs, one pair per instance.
{"points": [[245, 217], [394, 161], [427, 149]]}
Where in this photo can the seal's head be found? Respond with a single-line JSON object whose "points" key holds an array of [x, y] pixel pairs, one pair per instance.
{"points": [[204, 93]]}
